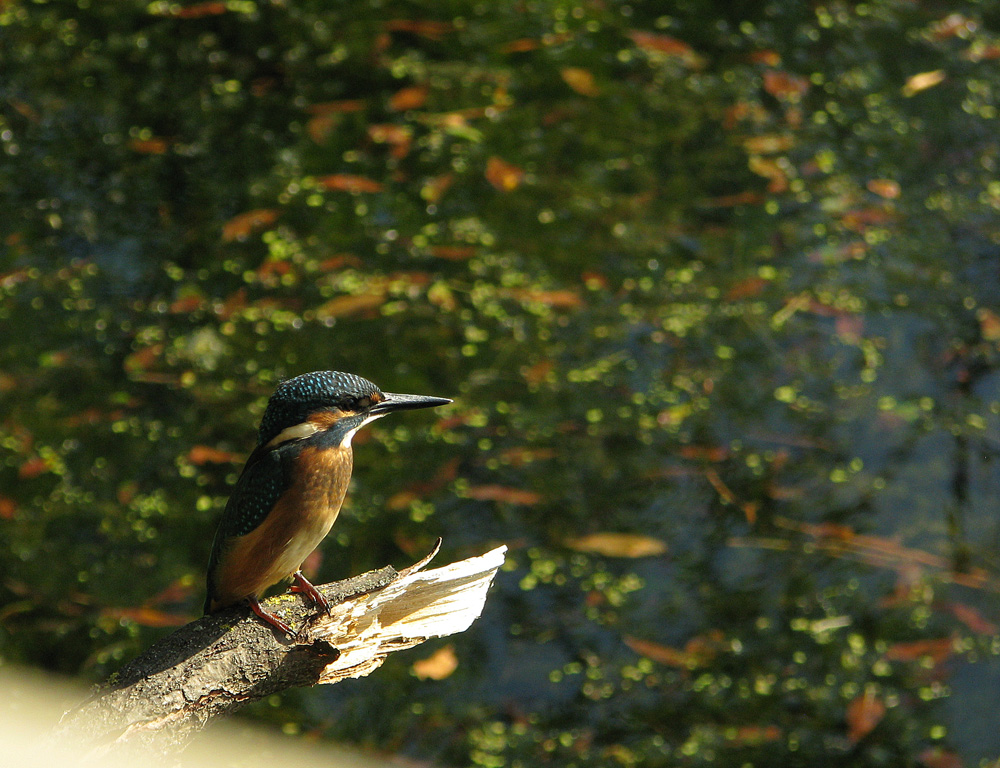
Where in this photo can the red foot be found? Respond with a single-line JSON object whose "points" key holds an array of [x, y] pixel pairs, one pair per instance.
{"points": [[303, 585], [270, 618]]}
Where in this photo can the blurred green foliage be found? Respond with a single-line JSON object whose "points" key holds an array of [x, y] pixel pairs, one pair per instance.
{"points": [[714, 285]]}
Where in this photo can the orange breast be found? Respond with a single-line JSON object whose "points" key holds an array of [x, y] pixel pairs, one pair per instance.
{"points": [[292, 530]]}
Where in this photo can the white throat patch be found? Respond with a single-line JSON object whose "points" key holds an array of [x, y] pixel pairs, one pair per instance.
{"points": [[347, 438]]}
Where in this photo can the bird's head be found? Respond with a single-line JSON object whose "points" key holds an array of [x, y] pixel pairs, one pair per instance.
{"points": [[331, 402]]}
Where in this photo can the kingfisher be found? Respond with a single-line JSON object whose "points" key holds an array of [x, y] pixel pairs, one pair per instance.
{"points": [[293, 485]]}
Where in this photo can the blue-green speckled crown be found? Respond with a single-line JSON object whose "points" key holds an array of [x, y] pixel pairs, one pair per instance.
{"points": [[296, 398]]}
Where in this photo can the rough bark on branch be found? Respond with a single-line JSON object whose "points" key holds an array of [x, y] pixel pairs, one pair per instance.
{"points": [[214, 665]]}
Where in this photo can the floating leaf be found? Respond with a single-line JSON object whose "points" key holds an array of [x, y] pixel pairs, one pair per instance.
{"points": [[936, 757], [863, 714], [989, 324], [399, 137], [923, 81], [154, 146], [204, 454], [580, 80], [936, 649], [503, 494], [8, 507], [662, 654], [147, 617], [340, 106], [747, 289], [438, 665], [666, 45], [244, 224], [343, 182], [564, 299], [435, 187], [784, 85], [618, 545], [413, 97], [771, 170], [503, 175], [320, 127], [354, 304], [714, 453], [521, 45], [143, 359], [698, 651], [754, 735], [769, 144], [199, 10], [538, 373], [886, 188], [453, 252], [433, 30], [972, 618], [765, 56]]}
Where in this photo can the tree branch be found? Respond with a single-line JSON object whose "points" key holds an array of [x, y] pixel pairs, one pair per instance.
{"points": [[216, 664]]}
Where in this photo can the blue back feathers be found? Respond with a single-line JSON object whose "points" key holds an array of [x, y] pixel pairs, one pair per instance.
{"points": [[296, 398]]}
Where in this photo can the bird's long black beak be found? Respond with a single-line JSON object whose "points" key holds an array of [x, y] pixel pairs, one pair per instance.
{"points": [[395, 402]]}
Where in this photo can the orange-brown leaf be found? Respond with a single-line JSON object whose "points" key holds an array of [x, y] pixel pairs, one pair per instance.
{"points": [[519, 456], [244, 224], [147, 617], [205, 454], [344, 182], [8, 507], [412, 97], [320, 127], [580, 80], [562, 299], [784, 85], [201, 10], [504, 494], [435, 187], [886, 188], [769, 143], [663, 654], [664, 44], [345, 306], [747, 288], [399, 137], [453, 252], [765, 56], [989, 324], [154, 146], [433, 30], [537, 373], [438, 665], [188, 302], [755, 735], [713, 453], [972, 618], [521, 45], [336, 107], [936, 649], [617, 545], [503, 175], [863, 714], [769, 169], [936, 757]]}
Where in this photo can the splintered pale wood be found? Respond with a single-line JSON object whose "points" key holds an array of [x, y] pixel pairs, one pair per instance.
{"points": [[417, 606], [218, 663]]}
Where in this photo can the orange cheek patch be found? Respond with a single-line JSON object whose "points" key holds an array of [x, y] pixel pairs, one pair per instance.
{"points": [[323, 420]]}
